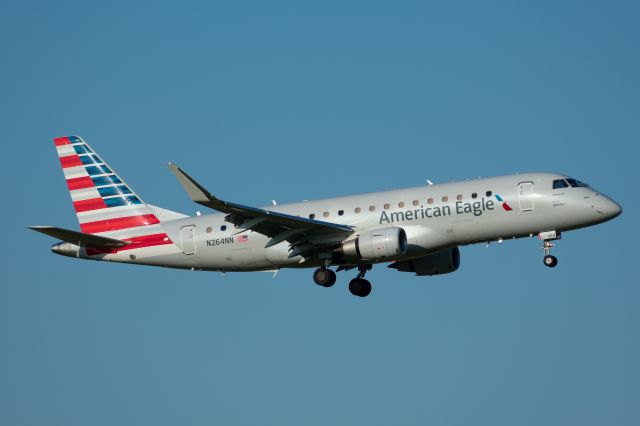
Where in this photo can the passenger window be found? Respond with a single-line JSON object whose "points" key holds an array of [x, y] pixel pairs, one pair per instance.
{"points": [[474, 195], [312, 216], [340, 212], [387, 206], [560, 183], [325, 214], [372, 208], [358, 210], [416, 202], [223, 228], [430, 201], [489, 193], [459, 197], [401, 204], [209, 229], [445, 199]]}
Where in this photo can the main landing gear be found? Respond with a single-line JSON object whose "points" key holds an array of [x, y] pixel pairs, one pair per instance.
{"points": [[358, 286]]}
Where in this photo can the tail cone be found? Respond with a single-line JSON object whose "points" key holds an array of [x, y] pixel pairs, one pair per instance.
{"points": [[66, 249]]}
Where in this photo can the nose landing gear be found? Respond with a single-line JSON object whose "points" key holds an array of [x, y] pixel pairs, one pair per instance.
{"points": [[547, 238], [549, 260]]}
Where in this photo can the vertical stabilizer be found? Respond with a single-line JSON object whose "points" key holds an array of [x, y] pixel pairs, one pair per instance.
{"points": [[104, 203]]}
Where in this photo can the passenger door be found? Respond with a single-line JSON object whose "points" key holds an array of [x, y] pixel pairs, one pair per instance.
{"points": [[525, 196]]}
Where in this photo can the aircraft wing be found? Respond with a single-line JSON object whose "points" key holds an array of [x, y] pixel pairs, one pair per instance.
{"points": [[305, 236], [79, 238]]}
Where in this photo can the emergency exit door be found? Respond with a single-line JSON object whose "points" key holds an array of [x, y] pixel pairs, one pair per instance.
{"points": [[188, 239], [525, 196]]}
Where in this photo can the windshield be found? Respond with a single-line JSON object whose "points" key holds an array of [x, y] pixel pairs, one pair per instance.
{"points": [[560, 183], [576, 183]]}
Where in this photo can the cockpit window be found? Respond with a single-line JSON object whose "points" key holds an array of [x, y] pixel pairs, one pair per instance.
{"points": [[576, 183], [560, 183]]}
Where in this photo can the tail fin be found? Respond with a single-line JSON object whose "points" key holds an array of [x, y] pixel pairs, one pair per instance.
{"points": [[103, 202]]}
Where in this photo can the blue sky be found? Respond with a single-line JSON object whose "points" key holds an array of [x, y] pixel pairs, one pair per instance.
{"points": [[292, 101]]}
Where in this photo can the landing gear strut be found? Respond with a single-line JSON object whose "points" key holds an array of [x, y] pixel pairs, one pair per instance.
{"points": [[359, 286], [324, 277], [549, 260]]}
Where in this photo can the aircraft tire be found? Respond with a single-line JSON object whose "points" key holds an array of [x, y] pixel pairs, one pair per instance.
{"points": [[550, 261], [360, 287], [324, 277]]}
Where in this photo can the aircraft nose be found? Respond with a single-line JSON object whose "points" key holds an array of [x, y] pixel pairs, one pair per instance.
{"points": [[615, 209], [610, 208]]}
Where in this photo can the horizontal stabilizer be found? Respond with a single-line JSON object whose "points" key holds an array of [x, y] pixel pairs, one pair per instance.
{"points": [[79, 238]]}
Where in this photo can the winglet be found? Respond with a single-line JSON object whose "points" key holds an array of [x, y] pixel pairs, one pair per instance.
{"points": [[196, 191]]}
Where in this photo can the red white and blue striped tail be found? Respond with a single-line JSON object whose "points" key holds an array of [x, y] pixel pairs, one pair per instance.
{"points": [[104, 203]]}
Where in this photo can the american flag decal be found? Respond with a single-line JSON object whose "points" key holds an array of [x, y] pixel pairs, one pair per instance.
{"points": [[242, 238]]}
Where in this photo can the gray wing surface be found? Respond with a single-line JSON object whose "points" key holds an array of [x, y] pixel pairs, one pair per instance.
{"points": [[305, 236]]}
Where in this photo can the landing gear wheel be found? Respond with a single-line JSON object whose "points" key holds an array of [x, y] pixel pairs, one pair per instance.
{"points": [[550, 261], [324, 277], [360, 287]]}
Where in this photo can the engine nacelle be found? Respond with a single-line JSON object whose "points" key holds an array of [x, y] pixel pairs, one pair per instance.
{"points": [[442, 262], [384, 243]]}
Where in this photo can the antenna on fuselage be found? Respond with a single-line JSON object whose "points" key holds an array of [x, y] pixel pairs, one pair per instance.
{"points": [[429, 182]]}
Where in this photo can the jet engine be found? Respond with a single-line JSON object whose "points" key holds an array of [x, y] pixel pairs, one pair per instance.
{"points": [[381, 243], [442, 262]]}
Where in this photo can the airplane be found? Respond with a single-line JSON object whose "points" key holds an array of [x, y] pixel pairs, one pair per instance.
{"points": [[417, 230]]}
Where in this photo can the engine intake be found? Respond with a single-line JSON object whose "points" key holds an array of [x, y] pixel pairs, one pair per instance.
{"points": [[442, 262], [381, 243]]}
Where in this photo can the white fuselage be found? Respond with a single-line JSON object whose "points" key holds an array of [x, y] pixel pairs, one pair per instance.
{"points": [[434, 217]]}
